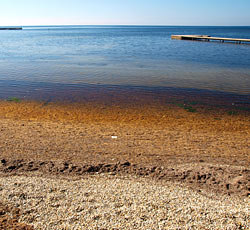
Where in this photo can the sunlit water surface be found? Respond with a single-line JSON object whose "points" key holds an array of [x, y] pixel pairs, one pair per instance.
{"points": [[74, 63]]}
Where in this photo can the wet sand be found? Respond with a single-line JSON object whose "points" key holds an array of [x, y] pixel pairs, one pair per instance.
{"points": [[145, 134], [203, 148]]}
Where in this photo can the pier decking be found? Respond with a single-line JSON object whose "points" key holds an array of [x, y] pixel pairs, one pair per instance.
{"points": [[11, 28], [209, 38]]}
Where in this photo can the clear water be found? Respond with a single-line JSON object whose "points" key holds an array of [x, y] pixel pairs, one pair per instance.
{"points": [[38, 61]]}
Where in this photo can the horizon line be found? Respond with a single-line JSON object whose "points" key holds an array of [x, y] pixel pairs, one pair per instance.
{"points": [[160, 25]]}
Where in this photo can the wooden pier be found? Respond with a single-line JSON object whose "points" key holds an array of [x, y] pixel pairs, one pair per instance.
{"points": [[208, 38], [11, 28]]}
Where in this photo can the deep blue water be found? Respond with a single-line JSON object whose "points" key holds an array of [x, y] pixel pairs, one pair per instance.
{"points": [[38, 60]]}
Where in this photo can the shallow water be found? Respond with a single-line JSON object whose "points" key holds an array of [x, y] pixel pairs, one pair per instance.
{"points": [[74, 62]]}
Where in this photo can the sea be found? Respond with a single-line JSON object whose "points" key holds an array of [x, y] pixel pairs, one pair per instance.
{"points": [[78, 63]]}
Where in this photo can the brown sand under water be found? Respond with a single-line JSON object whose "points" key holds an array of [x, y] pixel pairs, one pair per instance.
{"points": [[150, 134]]}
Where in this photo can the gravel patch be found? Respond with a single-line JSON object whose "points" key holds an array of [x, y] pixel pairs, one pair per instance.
{"points": [[119, 202]]}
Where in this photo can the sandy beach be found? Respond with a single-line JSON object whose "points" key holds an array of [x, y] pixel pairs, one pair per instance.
{"points": [[148, 167], [124, 115]]}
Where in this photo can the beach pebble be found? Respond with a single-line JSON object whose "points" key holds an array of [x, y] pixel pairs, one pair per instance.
{"points": [[116, 202]]}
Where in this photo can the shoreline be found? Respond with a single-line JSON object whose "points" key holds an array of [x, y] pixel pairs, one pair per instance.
{"points": [[146, 130], [148, 135], [11, 28]]}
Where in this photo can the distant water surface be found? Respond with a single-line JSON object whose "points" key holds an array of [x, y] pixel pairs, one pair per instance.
{"points": [[52, 60]]}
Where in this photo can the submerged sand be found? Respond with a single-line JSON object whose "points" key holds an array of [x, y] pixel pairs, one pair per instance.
{"points": [[206, 152]]}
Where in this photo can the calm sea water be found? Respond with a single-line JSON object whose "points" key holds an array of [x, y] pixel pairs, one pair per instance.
{"points": [[62, 60]]}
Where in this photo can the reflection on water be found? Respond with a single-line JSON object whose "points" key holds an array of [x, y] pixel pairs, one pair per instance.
{"points": [[84, 63]]}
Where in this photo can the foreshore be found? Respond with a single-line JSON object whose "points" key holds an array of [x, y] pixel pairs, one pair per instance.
{"points": [[201, 152]]}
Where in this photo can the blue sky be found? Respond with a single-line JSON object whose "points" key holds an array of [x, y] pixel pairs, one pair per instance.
{"points": [[124, 12]]}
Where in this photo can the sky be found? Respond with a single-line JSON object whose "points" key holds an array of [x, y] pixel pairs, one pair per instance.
{"points": [[125, 12]]}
